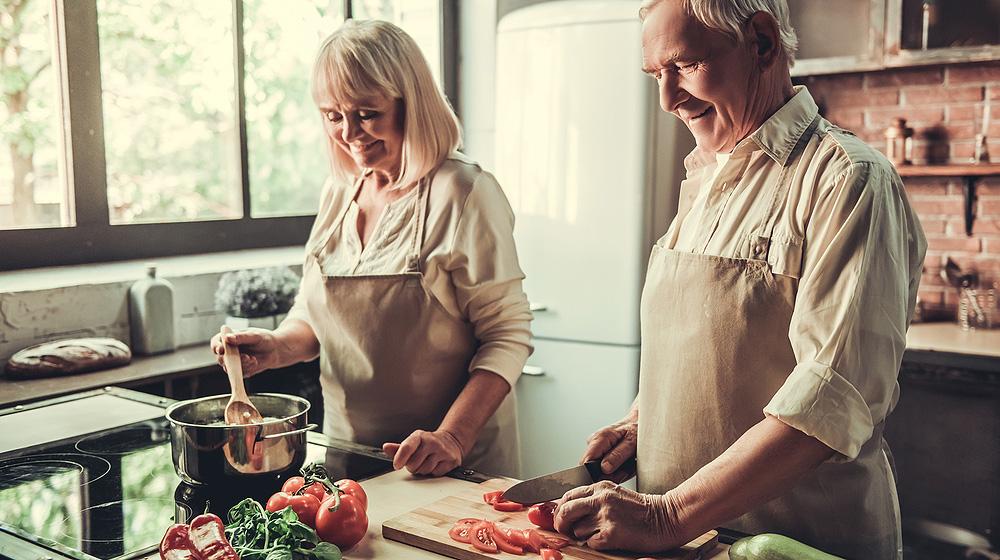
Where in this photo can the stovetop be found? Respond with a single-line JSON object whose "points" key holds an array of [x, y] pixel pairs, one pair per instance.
{"points": [[113, 493]]}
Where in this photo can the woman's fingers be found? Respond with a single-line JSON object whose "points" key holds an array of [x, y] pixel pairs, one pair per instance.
{"points": [[390, 448], [623, 450], [599, 443]]}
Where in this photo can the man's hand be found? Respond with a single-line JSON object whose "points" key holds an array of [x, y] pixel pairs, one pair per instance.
{"points": [[610, 517], [613, 445], [431, 453]]}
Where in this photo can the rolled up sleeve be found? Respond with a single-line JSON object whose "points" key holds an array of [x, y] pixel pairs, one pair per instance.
{"points": [[863, 252], [487, 279]]}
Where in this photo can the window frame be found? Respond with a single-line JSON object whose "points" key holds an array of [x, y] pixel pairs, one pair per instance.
{"points": [[94, 239]]}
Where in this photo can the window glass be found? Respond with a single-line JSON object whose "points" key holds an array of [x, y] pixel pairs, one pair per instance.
{"points": [[285, 144], [170, 127], [931, 24], [420, 18], [32, 178]]}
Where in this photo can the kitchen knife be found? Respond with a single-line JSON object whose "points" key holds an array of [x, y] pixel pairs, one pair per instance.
{"points": [[552, 486]]}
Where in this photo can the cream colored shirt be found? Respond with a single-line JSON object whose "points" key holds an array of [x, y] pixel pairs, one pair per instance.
{"points": [[847, 234], [468, 257]]}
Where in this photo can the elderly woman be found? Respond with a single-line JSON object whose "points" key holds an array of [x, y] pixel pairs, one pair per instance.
{"points": [[774, 311], [411, 290]]}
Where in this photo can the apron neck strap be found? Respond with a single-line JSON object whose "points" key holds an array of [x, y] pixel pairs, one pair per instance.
{"points": [[423, 193]]}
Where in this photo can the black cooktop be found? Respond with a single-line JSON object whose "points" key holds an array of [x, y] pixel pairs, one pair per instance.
{"points": [[113, 493]]}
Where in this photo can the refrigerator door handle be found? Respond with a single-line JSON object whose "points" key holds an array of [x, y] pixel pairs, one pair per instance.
{"points": [[535, 306], [533, 371]]}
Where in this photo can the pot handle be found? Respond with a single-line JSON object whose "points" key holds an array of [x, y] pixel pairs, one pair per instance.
{"points": [[306, 428]]}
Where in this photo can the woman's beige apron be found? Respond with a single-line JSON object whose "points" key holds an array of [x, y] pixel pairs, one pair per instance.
{"points": [[715, 349], [392, 360]]}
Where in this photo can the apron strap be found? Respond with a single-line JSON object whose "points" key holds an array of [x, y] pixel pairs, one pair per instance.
{"points": [[339, 220], [423, 186]]}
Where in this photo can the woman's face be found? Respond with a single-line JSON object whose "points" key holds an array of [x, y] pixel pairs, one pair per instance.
{"points": [[369, 130]]}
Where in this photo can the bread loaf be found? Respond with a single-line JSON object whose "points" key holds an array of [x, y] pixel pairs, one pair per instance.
{"points": [[68, 356]]}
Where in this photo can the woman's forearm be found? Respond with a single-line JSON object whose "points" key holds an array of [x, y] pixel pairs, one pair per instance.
{"points": [[762, 464], [296, 342], [475, 405]]}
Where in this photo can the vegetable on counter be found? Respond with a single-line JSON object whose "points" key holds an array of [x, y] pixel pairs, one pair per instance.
{"points": [[543, 515], [493, 498], [769, 546], [258, 534], [487, 536], [203, 539], [336, 510]]}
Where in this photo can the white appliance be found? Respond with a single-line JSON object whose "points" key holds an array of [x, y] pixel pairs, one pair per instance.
{"points": [[592, 168]]}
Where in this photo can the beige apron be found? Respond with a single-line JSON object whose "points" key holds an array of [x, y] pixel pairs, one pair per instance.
{"points": [[715, 350], [392, 360]]}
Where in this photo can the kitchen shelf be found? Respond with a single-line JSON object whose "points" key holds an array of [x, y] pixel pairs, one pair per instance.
{"points": [[971, 172]]}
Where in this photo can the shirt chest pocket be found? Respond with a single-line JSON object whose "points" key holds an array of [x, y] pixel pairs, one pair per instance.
{"points": [[783, 253]]}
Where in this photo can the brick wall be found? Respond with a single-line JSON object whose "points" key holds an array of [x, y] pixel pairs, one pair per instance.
{"points": [[944, 105]]}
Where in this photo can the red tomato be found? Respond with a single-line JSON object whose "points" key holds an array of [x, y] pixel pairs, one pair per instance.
{"points": [[536, 540], [516, 537], [543, 515], [551, 554], [555, 542], [492, 497], [294, 484], [304, 505], [341, 520], [504, 505], [354, 489], [460, 532], [504, 544], [482, 537]]}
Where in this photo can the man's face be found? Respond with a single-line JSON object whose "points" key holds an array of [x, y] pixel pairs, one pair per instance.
{"points": [[705, 78]]}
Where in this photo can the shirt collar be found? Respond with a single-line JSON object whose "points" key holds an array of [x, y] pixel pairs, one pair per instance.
{"points": [[776, 137]]}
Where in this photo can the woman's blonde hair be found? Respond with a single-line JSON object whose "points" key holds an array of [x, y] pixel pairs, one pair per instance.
{"points": [[372, 57], [730, 17]]}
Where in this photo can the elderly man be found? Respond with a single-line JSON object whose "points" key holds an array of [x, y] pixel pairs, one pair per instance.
{"points": [[774, 312]]}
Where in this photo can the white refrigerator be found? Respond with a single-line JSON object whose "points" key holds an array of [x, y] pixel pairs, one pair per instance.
{"points": [[592, 168]]}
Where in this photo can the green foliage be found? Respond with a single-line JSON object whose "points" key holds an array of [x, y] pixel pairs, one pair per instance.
{"points": [[258, 534], [257, 292]]}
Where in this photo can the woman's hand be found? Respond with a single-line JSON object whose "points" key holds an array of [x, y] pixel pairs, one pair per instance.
{"points": [[259, 349], [613, 445], [431, 453], [610, 517]]}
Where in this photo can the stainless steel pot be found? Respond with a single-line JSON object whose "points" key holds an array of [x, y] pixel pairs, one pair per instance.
{"points": [[207, 451]]}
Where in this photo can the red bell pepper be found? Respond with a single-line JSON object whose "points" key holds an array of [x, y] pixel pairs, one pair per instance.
{"points": [[176, 544], [208, 535]]}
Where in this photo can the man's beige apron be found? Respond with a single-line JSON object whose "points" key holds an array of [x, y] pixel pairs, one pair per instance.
{"points": [[715, 349], [392, 360]]}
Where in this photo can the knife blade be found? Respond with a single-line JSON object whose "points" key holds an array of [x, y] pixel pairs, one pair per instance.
{"points": [[552, 486]]}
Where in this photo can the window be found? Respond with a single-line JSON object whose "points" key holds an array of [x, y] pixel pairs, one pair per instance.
{"points": [[152, 129]]}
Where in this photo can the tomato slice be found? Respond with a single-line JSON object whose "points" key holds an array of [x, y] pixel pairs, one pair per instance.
{"points": [[469, 521], [492, 497], [504, 544], [536, 540], [551, 554], [555, 542], [516, 537], [504, 505], [482, 536], [461, 532]]}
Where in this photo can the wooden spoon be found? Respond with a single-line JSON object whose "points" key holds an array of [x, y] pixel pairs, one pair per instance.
{"points": [[239, 410]]}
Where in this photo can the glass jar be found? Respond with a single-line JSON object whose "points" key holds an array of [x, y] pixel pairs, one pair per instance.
{"points": [[977, 306], [899, 142]]}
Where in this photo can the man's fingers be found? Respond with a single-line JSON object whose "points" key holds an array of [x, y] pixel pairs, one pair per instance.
{"points": [[598, 445], [574, 509], [418, 458], [623, 451], [248, 338]]}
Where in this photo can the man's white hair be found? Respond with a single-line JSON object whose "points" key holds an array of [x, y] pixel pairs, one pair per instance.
{"points": [[730, 17]]}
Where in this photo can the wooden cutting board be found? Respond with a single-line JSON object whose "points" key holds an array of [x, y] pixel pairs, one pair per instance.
{"points": [[427, 528]]}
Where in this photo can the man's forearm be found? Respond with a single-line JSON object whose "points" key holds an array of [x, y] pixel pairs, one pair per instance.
{"points": [[762, 464]]}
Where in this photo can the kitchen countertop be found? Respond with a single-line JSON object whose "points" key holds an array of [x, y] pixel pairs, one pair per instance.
{"points": [[949, 337]]}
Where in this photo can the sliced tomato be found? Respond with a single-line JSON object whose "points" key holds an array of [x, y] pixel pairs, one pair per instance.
{"points": [[543, 515], [504, 544], [482, 536], [469, 521], [555, 542], [492, 497], [551, 554], [504, 505], [461, 532], [516, 537], [536, 540]]}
